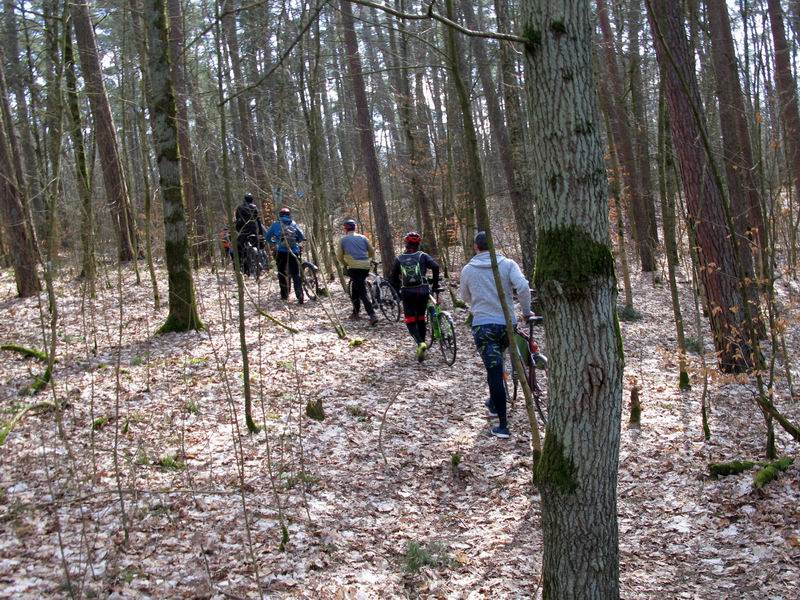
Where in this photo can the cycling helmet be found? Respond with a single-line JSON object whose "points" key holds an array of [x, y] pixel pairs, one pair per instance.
{"points": [[412, 238], [349, 224], [285, 211], [249, 198]]}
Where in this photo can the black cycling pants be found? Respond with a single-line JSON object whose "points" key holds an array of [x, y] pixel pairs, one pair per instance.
{"points": [[414, 305], [358, 277], [289, 268]]}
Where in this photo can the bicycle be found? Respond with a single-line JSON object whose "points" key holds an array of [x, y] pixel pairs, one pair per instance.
{"points": [[530, 354], [381, 294], [308, 275], [255, 258], [442, 328]]}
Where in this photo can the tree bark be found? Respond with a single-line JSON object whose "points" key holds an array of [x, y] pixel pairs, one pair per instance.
{"points": [[704, 200], [182, 306], [577, 473], [367, 140], [19, 230], [623, 141], [113, 174]]}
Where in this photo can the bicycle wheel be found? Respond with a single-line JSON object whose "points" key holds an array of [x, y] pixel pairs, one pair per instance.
{"points": [[447, 338], [538, 385], [389, 301], [310, 283], [253, 265]]}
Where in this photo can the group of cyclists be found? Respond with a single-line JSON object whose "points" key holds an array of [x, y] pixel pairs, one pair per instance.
{"points": [[409, 276]]}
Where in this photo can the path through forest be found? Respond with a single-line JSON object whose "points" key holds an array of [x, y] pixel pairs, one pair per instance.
{"points": [[350, 516]]}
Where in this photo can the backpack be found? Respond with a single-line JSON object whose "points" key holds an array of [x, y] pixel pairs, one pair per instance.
{"points": [[289, 235], [411, 274]]}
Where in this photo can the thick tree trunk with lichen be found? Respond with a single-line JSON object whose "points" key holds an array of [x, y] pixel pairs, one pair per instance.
{"points": [[182, 306], [623, 142], [704, 200], [577, 473], [88, 261], [19, 231], [367, 140], [113, 175]]}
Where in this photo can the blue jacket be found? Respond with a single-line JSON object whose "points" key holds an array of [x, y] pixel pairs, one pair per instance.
{"points": [[275, 234]]}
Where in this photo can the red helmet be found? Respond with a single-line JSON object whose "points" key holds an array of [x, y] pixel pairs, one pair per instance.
{"points": [[285, 211], [413, 238]]}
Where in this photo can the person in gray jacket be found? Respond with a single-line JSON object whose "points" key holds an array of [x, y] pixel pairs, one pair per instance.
{"points": [[478, 290]]}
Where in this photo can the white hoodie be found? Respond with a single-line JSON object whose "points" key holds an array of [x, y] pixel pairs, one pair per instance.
{"points": [[479, 291]]}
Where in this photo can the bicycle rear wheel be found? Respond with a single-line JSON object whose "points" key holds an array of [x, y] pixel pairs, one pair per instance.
{"points": [[310, 282], [538, 387], [389, 301], [447, 338], [253, 264]]}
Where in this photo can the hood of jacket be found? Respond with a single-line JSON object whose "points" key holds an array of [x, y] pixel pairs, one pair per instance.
{"points": [[483, 260]]}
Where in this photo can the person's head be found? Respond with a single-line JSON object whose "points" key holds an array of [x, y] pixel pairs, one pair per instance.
{"points": [[349, 225], [412, 240], [285, 214], [481, 242], [249, 198]]}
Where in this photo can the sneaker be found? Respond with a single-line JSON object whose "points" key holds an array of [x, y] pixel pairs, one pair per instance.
{"points": [[421, 348], [490, 408], [373, 320], [500, 432], [354, 316], [300, 301]]}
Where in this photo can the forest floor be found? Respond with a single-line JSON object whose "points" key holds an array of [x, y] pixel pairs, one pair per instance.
{"points": [[156, 489]]}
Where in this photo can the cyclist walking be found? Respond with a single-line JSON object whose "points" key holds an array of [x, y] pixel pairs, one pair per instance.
{"points": [[355, 251], [488, 323], [286, 235], [409, 277], [248, 222]]}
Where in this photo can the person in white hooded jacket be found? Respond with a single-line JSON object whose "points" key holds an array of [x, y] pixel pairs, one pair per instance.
{"points": [[478, 290]]}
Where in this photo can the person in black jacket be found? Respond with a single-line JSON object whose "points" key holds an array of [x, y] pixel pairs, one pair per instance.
{"points": [[409, 277], [248, 222]]}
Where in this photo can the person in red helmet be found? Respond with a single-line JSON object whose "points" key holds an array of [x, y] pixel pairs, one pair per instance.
{"points": [[408, 276]]}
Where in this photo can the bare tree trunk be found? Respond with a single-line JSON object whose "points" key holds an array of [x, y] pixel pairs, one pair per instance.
{"points": [[106, 135], [577, 474], [623, 142], [88, 260], [367, 139], [704, 200], [16, 216], [182, 305]]}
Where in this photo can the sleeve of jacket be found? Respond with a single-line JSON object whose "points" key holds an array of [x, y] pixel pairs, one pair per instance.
{"points": [[434, 267], [394, 276], [463, 288], [340, 251], [522, 286], [273, 233]]}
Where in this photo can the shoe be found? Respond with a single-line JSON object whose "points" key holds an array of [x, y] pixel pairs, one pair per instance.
{"points": [[373, 320], [301, 301], [354, 316], [490, 408], [421, 348], [500, 432]]}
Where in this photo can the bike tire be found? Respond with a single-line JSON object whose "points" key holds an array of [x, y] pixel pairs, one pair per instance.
{"points": [[447, 338], [253, 266], [389, 301], [310, 282], [539, 390]]}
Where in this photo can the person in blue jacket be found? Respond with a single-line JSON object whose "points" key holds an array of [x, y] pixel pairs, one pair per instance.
{"points": [[285, 236]]}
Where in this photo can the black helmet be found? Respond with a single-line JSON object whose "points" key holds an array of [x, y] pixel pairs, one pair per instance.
{"points": [[249, 198], [349, 224]]}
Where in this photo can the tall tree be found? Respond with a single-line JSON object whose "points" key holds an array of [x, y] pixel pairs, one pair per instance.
{"points": [[19, 232], [577, 472], [623, 142], [704, 200], [367, 139], [113, 174], [182, 305]]}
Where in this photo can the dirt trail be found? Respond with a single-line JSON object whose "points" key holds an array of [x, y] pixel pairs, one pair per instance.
{"points": [[350, 515]]}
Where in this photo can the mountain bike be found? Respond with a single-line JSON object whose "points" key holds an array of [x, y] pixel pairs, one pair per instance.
{"points": [[256, 260], [442, 328], [534, 365], [381, 294], [308, 275]]}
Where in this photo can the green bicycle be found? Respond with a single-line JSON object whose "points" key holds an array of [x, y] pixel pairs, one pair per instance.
{"points": [[442, 328]]}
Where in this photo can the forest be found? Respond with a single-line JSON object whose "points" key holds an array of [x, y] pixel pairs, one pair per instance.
{"points": [[359, 299]]}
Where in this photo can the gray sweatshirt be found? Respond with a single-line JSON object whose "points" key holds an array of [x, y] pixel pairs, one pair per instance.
{"points": [[479, 291]]}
